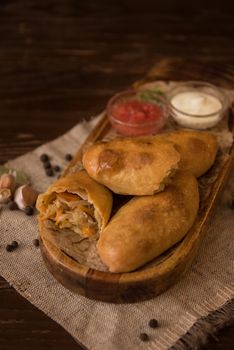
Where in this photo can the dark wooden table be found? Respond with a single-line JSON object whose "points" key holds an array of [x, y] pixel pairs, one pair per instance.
{"points": [[60, 61]]}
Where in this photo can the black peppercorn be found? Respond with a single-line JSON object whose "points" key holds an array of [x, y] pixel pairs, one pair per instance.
{"points": [[36, 242], [57, 168], [14, 244], [49, 172], [68, 157], [29, 210], [153, 323], [47, 165], [144, 337], [9, 248], [12, 206], [44, 157]]}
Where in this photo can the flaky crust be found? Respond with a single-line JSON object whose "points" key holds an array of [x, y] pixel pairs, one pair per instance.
{"points": [[81, 184], [147, 226], [132, 166]]}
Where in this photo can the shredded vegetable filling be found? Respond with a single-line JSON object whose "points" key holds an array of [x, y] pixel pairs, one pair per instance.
{"points": [[68, 210]]}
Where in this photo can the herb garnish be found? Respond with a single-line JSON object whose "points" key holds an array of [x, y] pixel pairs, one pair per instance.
{"points": [[151, 95], [20, 177]]}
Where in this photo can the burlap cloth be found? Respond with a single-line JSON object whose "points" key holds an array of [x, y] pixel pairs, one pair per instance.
{"points": [[196, 306]]}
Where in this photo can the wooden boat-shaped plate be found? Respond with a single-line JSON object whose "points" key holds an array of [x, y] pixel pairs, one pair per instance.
{"points": [[156, 277]]}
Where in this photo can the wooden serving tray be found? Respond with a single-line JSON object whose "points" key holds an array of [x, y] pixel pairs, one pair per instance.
{"points": [[150, 281]]}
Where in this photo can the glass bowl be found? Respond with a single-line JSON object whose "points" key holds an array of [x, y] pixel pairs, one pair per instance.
{"points": [[197, 104], [136, 113]]}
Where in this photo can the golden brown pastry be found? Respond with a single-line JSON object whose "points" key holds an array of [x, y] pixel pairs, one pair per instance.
{"points": [[76, 202], [147, 226], [132, 166], [198, 149]]}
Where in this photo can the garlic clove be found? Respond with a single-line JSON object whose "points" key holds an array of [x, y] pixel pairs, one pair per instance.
{"points": [[5, 195], [18, 198], [25, 196], [8, 181], [30, 195]]}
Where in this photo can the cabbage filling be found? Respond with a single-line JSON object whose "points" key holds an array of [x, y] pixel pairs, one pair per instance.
{"points": [[70, 211]]}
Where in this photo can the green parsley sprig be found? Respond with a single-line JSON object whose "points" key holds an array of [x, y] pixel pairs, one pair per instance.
{"points": [[151, 95]]}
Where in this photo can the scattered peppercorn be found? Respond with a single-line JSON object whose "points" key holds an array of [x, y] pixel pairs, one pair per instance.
{"points": [[57, 168], [153, 323], [49, 172], [144, 337], [68, 157], [47, 165], [9, 248], [44, 157], [12, 205], [14, 244], [29, 210], [36, 242]]}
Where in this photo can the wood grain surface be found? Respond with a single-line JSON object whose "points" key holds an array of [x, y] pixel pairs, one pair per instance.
{"points": [[60, 62]]}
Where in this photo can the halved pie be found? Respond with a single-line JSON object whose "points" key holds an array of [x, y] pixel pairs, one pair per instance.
{"points": [[76, 202]]}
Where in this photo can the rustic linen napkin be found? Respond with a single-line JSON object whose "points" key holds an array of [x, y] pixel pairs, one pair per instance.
{"points": [[200, 303]]}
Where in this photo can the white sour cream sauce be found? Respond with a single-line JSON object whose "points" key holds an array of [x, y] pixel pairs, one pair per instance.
{"points": [[199, 104]]}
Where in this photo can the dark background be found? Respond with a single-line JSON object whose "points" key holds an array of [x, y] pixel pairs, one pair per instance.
{"points": [[60, 61]]}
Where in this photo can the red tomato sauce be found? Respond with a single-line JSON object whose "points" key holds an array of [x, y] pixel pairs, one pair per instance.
{"points": [[135, 117]]}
